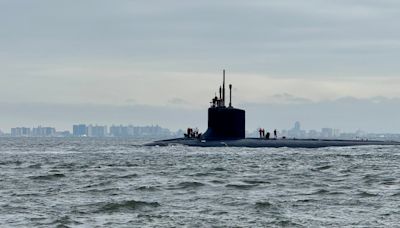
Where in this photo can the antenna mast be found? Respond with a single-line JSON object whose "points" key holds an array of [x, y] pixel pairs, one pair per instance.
{"points": [[230, 95], [223, 89]]}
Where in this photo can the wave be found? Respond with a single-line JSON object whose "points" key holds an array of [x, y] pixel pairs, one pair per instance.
{"points": [[286, 223], [100, 184], [396, 194], [263, 205], [220, 213], [321, 191], [35, 166], [321, 168], [65, 165], [64, 221], [26, 194], [219, 169], [202, 174], [240, 186], [128, 205], [366, 194], [317, 192], [94, 191], [186, 185], [190, 184], [256, 182], [48, 177], [218, 181], [147, 188], [129, 164], [371, 178], [390, 181], [17, 163], [307, 200], [129, 176]]}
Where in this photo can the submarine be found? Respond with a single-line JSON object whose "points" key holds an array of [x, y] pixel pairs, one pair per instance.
{"points": [[226, 128]]}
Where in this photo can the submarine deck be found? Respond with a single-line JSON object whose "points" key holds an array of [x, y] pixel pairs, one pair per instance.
{"points": [[273, 143]]}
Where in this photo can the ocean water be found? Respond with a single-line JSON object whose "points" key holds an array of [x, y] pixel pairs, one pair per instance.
{"points": [[118, 183]]}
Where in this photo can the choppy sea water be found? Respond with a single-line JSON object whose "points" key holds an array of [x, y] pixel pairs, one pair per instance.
{"points": [[118, 183]]}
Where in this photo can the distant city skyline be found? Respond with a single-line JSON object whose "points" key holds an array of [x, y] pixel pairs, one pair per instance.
{"points": [[83, 129], [158, 132], [348, 114], [90, 130]]}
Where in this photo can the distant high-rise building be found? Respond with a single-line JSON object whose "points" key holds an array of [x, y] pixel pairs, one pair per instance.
{"points": [[79, 130], [15, 132], [297, 126], [313, 134], [296, 131], [118, 131], [43, 131], [26, 131], [138, 132], [20, 132], [326, 132], [336, 133], [96, 131], [36, 132]]}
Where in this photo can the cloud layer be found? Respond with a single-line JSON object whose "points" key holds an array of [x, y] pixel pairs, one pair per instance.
{"points": [[282, 37]]}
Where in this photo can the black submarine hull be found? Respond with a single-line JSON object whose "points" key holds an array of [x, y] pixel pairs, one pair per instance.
{"points": [[271, 143]]}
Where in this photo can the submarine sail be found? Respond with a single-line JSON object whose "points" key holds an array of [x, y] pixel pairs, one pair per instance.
{"points": [[225, 122]]}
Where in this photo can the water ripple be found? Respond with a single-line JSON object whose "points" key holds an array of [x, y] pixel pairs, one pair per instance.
{"points": [[116, 183]]}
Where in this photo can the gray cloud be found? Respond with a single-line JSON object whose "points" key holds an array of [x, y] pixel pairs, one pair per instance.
{"points": [[178, 101], [285, 37], [288, 98]]}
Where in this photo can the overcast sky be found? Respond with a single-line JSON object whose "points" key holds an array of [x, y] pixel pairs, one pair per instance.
{"points": [[169, 54]]}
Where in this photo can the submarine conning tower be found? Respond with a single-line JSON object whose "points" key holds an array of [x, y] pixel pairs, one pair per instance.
{"points": [[224, 122]]}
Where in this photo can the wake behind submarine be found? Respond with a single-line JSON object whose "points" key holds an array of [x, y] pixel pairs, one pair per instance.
{"points": [[226, 128]]}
